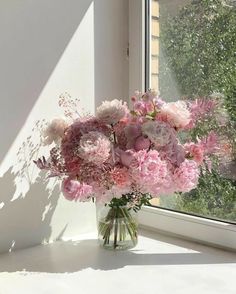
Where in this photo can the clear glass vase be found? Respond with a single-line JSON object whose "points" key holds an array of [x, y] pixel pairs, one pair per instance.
{"points": [[117, 227]]}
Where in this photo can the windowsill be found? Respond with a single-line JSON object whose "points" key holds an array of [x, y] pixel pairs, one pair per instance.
{"points": [[159, 264], [197, 229]]}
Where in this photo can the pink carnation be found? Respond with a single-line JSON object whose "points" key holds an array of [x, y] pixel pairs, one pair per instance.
{"points": [[120, 176], [94, 147], [176, 113], [186, 176], [74, 190]]}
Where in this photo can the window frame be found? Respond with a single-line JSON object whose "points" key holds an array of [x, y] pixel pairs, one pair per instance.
{"points": [[204, 230]]}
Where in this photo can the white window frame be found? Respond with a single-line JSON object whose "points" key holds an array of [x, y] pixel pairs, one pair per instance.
{"points": [[200, 229]]}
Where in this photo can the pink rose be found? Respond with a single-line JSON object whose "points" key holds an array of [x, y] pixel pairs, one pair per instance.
{"points": [[70, 189], [74, 190]]}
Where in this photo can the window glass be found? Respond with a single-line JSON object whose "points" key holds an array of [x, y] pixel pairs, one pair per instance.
{"points": [[192, 56]]}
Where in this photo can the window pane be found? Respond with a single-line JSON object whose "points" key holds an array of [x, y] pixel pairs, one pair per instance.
{"points": [[193, 56]]}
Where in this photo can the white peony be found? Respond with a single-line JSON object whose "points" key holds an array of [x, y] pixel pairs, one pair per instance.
{"points": [[176, 113], [110, 112], [158, 132], [94, 147]]}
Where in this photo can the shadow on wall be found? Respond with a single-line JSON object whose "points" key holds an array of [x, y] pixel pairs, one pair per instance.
{"points": [[34, 35], [25, 220]]}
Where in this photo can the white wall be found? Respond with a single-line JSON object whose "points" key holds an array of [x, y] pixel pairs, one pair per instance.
{"points": [[47, 48]]}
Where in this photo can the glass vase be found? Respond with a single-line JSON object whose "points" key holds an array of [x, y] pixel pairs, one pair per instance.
{"points": [[117, 227]]}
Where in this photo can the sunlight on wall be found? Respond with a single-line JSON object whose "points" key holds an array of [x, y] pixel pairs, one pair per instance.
{"points": [[32, 211], [74, 73], [77, 47]]}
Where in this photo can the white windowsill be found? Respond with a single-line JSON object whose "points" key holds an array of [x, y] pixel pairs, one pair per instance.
{"points": [[158, 264], [190, 227]]}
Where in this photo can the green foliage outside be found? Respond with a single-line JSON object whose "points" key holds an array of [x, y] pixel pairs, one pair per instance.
{"points": [[199, 53]]}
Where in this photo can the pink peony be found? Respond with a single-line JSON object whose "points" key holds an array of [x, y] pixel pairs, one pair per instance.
{"points": [[74, 190], [186, 176], [148, 171], [110, 112], [159, 133], [176, 114], [54, 131], [94, 147]]}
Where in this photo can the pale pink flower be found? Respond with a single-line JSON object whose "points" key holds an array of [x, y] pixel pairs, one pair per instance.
{"points": [[74, 190], [186, 176], [94, 147], [159, 133], [110, 112], [54, 131], [176, 113]]}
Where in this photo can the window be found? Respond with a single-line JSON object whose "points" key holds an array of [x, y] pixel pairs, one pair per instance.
{"points": [[188, 51]]}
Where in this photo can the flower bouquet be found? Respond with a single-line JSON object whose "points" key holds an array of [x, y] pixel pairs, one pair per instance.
{"points": [[121, 158]]}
